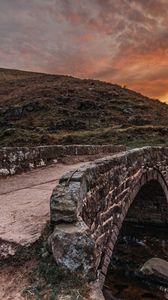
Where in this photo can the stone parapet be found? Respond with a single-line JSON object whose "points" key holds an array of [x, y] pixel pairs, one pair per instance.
{"points": [[14, 160]]}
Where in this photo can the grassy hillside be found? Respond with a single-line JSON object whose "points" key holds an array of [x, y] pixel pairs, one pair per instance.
{"points": [[45, 109]]}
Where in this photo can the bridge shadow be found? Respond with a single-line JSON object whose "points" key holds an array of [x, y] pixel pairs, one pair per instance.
{"points": [[149, 205], [140, 238]]}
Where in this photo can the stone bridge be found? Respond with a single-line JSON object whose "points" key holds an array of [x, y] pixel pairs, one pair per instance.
{"points": [[88, 207]]}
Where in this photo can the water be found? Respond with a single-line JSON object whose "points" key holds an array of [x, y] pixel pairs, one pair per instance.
{"points": [[136, 245]]}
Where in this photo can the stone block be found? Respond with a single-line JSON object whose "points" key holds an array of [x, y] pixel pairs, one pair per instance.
{"points": [[74, 249]]}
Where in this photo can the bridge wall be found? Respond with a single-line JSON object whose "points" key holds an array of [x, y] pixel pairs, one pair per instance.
{"points": [[88, 207], [14, 160]]}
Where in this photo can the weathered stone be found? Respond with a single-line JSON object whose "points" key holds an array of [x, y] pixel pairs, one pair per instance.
{"points": [[73, 249], [16, 159], [67, 201], [102, 193], [64, 202], [156, 266]]}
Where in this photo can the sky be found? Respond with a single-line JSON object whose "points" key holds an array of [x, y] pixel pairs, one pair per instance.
{"points": [[119, 41]]}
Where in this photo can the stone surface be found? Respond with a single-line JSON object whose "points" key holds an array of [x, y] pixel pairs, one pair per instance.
{"points": [[15, 160], [98, 196], [73, 249], [155, 266], [108, 188], [64, 201]]}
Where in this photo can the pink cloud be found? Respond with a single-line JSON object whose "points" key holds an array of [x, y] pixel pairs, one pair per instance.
{"points": [[120, 41]]}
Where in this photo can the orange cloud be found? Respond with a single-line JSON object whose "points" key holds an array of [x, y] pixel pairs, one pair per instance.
{"points": [[123, 42]]}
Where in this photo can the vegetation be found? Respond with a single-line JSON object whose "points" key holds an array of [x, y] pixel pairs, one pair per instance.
{"points": [[40, 109], [44, 279], [47, 281]]}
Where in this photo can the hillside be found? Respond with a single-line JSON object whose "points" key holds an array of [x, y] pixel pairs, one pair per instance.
{"points": [[39, 109]]}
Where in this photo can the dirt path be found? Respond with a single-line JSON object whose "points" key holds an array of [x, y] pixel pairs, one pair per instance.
{"points": [[24, 210], [24, 203]]}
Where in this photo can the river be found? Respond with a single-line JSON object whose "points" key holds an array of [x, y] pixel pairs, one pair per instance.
{"points": [[135, 245]]}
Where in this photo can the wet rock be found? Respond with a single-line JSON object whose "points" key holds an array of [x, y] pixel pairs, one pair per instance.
{"points": [[155, 266], [154, 274]]}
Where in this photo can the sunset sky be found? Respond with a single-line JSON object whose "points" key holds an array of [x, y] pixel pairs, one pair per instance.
{"points": [[121, 41]]}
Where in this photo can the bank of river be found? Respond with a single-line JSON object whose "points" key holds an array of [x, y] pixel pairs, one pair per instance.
{"points": [[135, 246]]}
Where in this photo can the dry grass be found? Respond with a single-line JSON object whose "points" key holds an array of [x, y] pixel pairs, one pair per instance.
{"points": [[44, 109]]}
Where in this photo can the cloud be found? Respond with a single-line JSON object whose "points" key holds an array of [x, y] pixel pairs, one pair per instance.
{"points": [[123, 41]]}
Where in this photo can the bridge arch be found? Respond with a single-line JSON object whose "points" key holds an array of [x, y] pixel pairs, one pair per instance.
{"points": [[144, 208], [89, 206]]}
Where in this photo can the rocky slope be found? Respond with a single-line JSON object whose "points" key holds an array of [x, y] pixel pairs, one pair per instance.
{"points": [[39, 108]]}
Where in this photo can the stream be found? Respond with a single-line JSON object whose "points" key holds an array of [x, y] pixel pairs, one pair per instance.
{"points": [[135, 245]]}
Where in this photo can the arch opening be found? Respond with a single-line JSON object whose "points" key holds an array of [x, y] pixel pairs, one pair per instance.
{"points": [[149, 205], [143, 235]]}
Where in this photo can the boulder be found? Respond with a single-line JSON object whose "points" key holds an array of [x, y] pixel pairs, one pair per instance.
{"points": [[154, 273], [73, 249], [155, 266]]}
